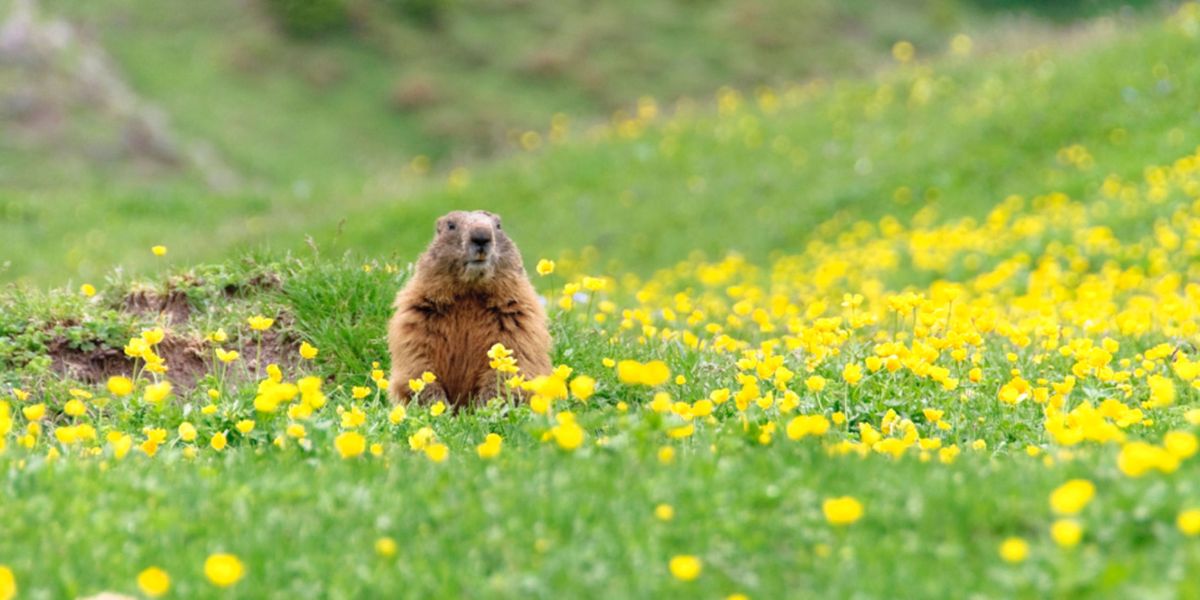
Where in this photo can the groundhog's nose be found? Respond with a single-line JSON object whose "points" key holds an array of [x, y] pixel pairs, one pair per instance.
{"points": [[481, 238]]}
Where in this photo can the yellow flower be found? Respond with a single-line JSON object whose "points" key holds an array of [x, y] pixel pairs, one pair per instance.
{"points": [[421, 438], [815, 383], [682, 431], [416, 385], [227, 356], [545, 267], [490, 447], [653, 373], [260, 323], [355, 417], [308, 351], [296, 430], [218, 441], [582, 387], [75, 408], [218, 337], [157, 393], [437, 452], [34, 412], [437, 409], [1162, 392], [593, 284], [1189, 522], [1066, 532], [903, 51], [685, 567], [552, 387], [223, 570], [154, 336], [350, 444], [120, 386], [88, 290], [569, 436], [153, 582], [8, 583], [805, 425], [187, 431], [664, 512], [428, 377], [1138, 458], [1181, 444], [1072, 496], [159, 250], [842, 511], [852, 373], [1014, 550], [245, 426], [385, 547], [397, 414], [359, 392], [136, 348]]}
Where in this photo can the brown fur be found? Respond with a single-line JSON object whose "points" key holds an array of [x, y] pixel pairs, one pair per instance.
{"points": [[453, 310]]}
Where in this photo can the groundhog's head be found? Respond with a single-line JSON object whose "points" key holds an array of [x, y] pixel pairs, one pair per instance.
{"points": [[471, 247]]}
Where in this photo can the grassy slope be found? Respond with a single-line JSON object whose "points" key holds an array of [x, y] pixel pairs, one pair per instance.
{"points": [[735, 181], [759, 183], [546, 524], [480, 63]]}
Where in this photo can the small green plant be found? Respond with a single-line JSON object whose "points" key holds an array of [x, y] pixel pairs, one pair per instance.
{"points": [[309, 18]]}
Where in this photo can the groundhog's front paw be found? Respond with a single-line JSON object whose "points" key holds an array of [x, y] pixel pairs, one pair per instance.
{"points": [[432, 392], [400, 391]]}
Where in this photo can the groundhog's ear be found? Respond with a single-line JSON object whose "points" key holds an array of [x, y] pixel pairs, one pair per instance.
{"points": [[495, 217]]}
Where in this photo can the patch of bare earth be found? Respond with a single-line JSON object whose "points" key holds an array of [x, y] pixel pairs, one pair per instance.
{"points": [[188, 358]]}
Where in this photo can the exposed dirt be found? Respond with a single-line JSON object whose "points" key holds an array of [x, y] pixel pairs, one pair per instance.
{"points": [[173, 305], [185, 360], [189, 357]]}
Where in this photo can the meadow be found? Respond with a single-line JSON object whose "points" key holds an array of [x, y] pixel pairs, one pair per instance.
{"points": [[929, 333]]}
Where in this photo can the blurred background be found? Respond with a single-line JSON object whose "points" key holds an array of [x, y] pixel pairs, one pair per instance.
{"points": [[220, 126]]}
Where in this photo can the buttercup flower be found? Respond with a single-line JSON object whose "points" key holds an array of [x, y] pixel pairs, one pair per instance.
{"points": [[223, 570], [154, 582]]}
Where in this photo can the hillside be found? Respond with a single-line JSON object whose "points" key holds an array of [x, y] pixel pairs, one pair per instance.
{"points": [[290, 137]]}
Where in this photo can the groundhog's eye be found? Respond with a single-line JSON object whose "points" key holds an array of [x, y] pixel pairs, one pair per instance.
{"points": [[498, 225], [451, 226]]}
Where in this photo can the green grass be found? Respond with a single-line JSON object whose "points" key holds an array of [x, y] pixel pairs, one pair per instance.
{"points": [[541, 524]]}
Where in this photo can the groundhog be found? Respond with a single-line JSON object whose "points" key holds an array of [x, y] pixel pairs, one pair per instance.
{"points": [[469, 292]]}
